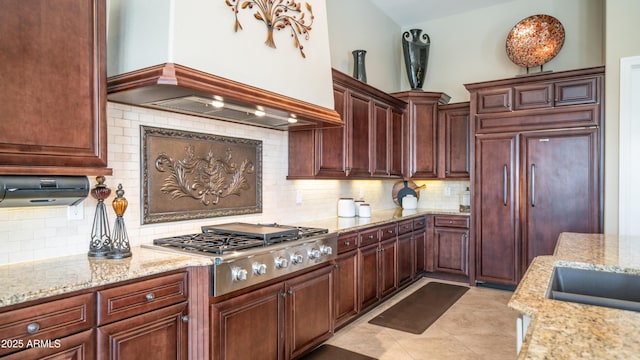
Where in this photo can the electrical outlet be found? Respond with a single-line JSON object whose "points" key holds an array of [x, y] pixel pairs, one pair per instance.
{"points": [[447, 191], [75, 212], [361, 195], [299, 197]]}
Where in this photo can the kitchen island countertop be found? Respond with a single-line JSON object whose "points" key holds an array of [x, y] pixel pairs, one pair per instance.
{"points": [[566, 330]]}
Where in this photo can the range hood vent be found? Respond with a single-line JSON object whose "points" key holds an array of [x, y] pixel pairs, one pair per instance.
{"points": [[180, 89], [19, 191], [201, 106]]}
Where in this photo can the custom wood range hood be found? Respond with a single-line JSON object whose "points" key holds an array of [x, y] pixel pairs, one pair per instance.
{"points": [[178, 88], [188, 57]]}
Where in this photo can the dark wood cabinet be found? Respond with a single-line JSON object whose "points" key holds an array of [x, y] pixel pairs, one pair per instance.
{"points": [[283, 320], [345, 279], [257, 315], [451, 244], [54, 85], [537, 170], [421, 135], [368, 275], [496, 214], [73, 347], [146, 314], [453, 141], [406, 258], [368, 146], [420, 239], [309, 311], [560, 192], [69, 320], [163, 332]]}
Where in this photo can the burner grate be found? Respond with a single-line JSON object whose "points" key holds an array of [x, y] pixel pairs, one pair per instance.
{"points": [[210, 243]]}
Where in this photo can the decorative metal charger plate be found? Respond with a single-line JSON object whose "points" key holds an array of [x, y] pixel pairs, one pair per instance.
{"points": [[535, 40]]}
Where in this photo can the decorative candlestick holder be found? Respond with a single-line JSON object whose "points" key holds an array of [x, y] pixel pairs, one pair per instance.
{"points": [[120, 247], [100, 241]]}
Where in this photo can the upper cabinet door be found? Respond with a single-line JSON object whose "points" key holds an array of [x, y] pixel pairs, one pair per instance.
{"points": [[360, 147], [53, 87], [332, 154]]}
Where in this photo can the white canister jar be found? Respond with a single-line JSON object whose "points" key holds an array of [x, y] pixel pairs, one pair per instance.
{"points": [[409, 202], [357, 204], [365, 211], [346, 207]]}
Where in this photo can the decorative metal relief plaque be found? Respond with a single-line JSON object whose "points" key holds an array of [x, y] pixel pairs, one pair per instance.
{"points": [[187, 175]]}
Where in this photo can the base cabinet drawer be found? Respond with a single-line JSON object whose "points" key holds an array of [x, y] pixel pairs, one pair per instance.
{"points": [[47, 321], [124, 301], [78, 346]]}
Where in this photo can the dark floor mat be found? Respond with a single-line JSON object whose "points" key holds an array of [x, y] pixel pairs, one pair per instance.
{"points": [[330, 352], [418, 311]]}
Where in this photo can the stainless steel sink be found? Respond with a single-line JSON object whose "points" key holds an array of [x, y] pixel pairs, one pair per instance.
{"points": [[600, 288]]}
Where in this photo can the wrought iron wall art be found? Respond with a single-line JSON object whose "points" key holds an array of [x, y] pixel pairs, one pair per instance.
{"points": [[187, 175], [277, 15]]}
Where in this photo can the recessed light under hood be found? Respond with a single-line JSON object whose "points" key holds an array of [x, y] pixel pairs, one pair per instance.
{"points": [[177, 88], [203, 106]]}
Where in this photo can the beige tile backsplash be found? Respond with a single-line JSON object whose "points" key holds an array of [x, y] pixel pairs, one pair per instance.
{"points": [[44, 232]]}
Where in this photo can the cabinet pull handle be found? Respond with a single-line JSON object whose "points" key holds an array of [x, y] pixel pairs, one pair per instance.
{"points": [[504, 185], [33, 328], [533, 185], [150, 296], [185, 318]]}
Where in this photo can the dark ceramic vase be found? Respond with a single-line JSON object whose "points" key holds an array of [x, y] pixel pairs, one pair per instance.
{"points": [[359, 71], [415, 47]]}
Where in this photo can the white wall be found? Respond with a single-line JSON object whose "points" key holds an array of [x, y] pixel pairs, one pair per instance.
{"points": [[358, 24], [470, 47], [200, 34], [621, 26]]}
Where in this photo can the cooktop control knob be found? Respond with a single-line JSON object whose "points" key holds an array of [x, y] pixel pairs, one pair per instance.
{"points": [[296, 259], [281, 263], [314, 254], [238, 274], [326, 250], [259, 269]]}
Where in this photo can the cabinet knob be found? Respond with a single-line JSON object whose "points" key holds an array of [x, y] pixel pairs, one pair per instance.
{"points": [[290, 292], [185, 318], [33, 328], [450, 221], [371, 236], [347, 243], [150, 296]]}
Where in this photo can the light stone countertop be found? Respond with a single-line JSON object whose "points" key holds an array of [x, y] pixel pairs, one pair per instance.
{"points": [[38, 279], [565, 330], [379, 217], [34, 280]]}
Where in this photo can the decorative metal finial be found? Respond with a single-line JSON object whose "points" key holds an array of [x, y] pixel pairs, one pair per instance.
{"points": [[120, 247], [100, 241]]}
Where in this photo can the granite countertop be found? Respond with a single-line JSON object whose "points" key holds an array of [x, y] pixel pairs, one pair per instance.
{"points": [[38, 279], [565, 330], [379, 217]]}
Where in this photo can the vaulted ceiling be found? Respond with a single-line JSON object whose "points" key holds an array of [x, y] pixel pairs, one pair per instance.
{"points": [[409, 12]]}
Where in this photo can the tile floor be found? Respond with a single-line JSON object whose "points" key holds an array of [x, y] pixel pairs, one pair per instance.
{"points": [[478, 326]]}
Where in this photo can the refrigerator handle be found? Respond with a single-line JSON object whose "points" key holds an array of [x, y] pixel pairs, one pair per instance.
{"points": [[533, 185], [504, 185]]}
